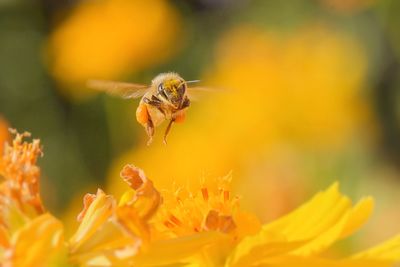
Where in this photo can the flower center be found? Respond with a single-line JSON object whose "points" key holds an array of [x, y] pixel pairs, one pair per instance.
{"points": [[185, 212]]}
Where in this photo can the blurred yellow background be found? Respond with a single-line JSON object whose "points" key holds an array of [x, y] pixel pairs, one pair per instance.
{"points": [[309, 95]]}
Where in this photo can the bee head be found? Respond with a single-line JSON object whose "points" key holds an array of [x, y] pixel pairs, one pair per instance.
{"points": [[172, 90]]}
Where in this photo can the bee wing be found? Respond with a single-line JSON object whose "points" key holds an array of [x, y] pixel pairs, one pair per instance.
{"points": [[196, 93], [122, 89]]}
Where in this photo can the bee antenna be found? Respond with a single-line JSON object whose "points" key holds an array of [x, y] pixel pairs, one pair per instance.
{"points": [[192, 81], [186, 82]]}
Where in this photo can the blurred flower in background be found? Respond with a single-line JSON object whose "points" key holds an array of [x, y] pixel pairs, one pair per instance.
{"points": [[110, 38], [348, 6], [306, 86]]}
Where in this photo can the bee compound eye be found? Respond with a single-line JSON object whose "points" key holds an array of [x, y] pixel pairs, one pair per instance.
{"points": [[161, 91], [182, 87], [160, 88]]}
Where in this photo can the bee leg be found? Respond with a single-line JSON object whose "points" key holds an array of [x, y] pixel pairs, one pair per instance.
{"points": [[167, 131], [143, 117], [154, 101], [185, 103], [150, 131]]}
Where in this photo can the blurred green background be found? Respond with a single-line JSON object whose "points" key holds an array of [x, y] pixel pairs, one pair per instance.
{"points": [[316, 95]]}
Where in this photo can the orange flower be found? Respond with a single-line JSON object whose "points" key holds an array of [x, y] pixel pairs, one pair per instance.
{"points": [[20, 189], [3, 134], [22, 214]]}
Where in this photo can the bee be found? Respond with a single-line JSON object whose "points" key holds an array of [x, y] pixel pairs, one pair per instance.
{"points": [[166, 98]]}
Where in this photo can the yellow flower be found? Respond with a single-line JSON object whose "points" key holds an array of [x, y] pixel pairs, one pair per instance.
{"points": [[205, 227], [39, 243], [188, 219], [186, 226], [109, 38]]}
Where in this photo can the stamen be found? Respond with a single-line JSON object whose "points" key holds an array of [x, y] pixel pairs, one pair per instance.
{"points": [[133, 176], [168, 224], [175, 220], [226, 224], [226, 195], [204, 192], [212, 220]]}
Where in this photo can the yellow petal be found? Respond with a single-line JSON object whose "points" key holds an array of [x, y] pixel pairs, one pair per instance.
{"points": [[307, 231], [177, 250], [101, 237], [389, 250], [15, 218], [360, 214], [309, 219], [127, 197], [146, 199], [105, 242], [132, 223], [327, 217], [256, 248], [95, 216], [39, 243], [349, 221], [295, 261]]}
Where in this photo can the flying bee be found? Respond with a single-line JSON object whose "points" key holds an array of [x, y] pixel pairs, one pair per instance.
{"points": [[166, 98]]}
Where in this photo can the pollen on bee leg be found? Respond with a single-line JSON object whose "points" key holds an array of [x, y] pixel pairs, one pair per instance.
{"points": [[142, 114], [180, 117]]}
